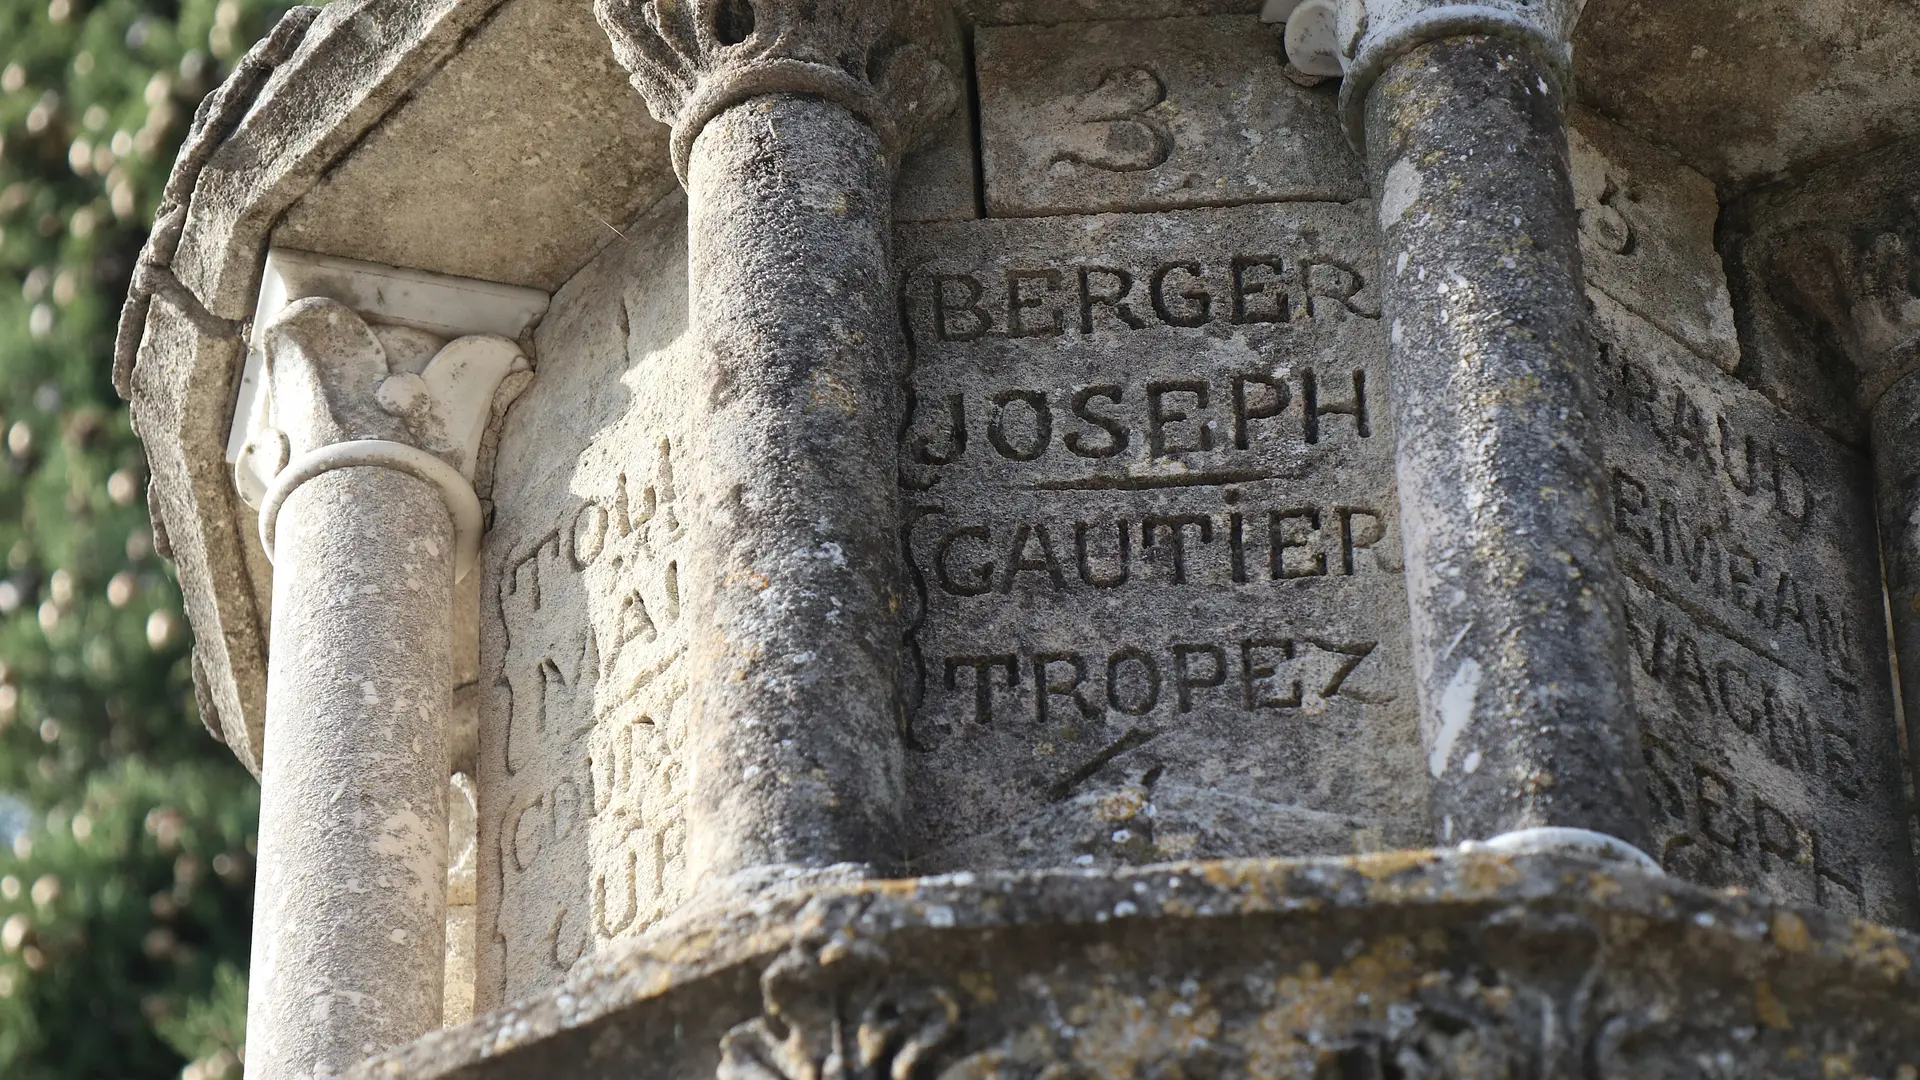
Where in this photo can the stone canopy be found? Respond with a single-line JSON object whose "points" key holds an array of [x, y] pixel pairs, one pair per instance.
{"points": [[1019, 444]]}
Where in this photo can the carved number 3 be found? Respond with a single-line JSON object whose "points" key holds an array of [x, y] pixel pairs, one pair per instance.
{"points": [[1109, 128]]}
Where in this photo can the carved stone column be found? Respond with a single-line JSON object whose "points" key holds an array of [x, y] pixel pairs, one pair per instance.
{"points": [[1519, 633], [370, 517], [788, 147]]}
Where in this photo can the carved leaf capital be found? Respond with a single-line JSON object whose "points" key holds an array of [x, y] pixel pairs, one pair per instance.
{"points": [[330, 378], [693, 59], [1860, 292]]}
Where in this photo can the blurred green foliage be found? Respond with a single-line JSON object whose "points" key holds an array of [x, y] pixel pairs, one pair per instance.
{"points": [[125, 901]]}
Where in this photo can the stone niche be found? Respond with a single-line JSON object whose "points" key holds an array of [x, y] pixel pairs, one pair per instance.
{"points": [[1151, 524], [1156, 607]]}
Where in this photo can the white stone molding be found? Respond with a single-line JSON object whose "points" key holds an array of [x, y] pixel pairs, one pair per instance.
{"points": [[1370, 35], [385, 296], [332, 400], [457, 491], [1560, 840], [323, 392], [691, 60]]}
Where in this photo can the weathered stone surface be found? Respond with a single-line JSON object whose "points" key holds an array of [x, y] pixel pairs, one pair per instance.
{"points": [[356, 62], [1152, 115], [1646, 236], [940, 179], [1008, 12], [1717, 496], [1755, 619], [366, 446], [1145, 493], [454, 199], [1410, 965], [181, 410], [938, 182], [581, 820], [1832, 321], [1526, 706], [1749, 91], [1822, 276], [462, 863], [1153, 534]]}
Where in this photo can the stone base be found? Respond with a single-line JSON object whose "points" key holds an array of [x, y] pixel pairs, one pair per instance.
{"points": [[1405, 966]]}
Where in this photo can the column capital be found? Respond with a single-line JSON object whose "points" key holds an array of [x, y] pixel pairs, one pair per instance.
{"points": [[1859, 287], [693, 59], [1372, 34], [335, 397]]}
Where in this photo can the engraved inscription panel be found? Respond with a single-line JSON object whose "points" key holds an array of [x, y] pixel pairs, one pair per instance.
{"points": [[1756, 623], [1098, 116], [1153, 534], [582, 836], [1646, 236]]}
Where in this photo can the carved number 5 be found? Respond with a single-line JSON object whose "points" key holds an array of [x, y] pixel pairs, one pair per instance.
{"points": [[1109, 128]]}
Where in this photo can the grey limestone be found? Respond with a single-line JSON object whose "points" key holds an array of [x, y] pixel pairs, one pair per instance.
{"points": [[179, 412], [1827, 269], [788, 123], [581, 819], [938, 179], [1752, 92], [1646, 236], [1416, 965], [1754, 617], [1154, 541], [792, 578], [350, 906], [355, 62], [348, 950], [1022, 444], [1520, 652], [1101, 116], [532, 111], [459, 980]]}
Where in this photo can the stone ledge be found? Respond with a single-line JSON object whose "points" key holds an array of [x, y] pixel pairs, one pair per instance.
{"points": [[1467, 966]]}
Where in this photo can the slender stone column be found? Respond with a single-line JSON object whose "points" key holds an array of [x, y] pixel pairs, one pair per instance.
{"points": [[369, 517], [1518, 621], [794, 583]]}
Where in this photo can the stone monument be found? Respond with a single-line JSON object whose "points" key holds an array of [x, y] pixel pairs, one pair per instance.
{"points": [[1042, 539]]}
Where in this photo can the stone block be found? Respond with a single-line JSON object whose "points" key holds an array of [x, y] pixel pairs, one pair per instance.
{"points": [[938, 182], [579, 779], [1064, 712], [1646, 236], [1755, 618], [1154, 540], [1149, 115]]}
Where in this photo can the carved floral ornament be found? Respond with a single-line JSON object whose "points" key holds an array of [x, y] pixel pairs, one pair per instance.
{"points": [[1528, 1008], [340, 394], [694, 59]]}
